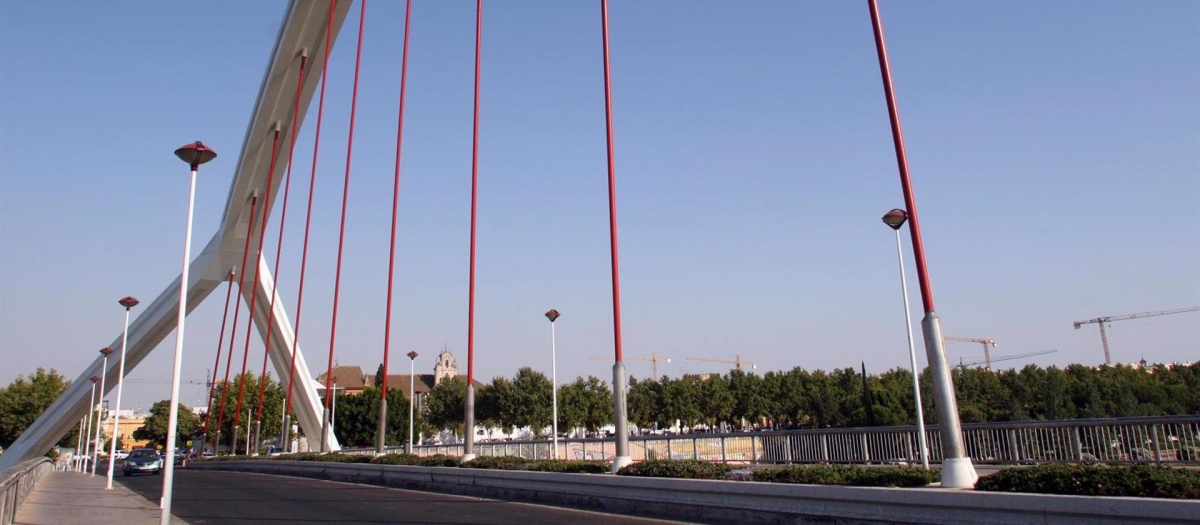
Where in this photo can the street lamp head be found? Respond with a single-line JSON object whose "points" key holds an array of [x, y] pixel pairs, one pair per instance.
{"points": [[106, 351], [195, 153], [95, 379], [895, 218], [128, 302], [412, 355], [552, 315]]}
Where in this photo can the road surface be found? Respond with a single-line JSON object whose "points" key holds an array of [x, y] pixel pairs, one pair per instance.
{"points": [[215, 497]]}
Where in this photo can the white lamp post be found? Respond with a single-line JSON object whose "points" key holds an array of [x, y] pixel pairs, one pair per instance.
{"points": [[78, 446], [895, 219], [553, 315], [412, 390], [194, 154], [99, 408], [88, 433], [128, 303]]}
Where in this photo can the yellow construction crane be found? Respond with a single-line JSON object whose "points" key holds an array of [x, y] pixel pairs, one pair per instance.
{"points": [[736, 361], [1106, 319], [987, 347], [653, 359]]}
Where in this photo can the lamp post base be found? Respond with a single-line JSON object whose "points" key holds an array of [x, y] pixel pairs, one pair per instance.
{"points": [[257, 435], [467, 457], [620, 462], [958, 473]]}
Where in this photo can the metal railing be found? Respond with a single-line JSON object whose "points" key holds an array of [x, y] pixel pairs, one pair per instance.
{"points": [[1161, 440], [16, 484]]}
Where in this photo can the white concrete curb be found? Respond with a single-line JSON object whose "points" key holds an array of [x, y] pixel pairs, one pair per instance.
{"points": [[739, 501]]}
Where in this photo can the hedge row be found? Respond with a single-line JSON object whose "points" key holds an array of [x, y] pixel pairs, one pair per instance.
{"points": [[1142, 481], [1080, 480], [848, 475]]}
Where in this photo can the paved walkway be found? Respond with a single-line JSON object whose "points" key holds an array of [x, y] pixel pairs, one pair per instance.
{"points": [[71, 497]]}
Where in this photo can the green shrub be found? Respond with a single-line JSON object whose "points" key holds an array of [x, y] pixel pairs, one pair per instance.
{"points": [[228, 458], [414, 460], [570, 466], [497, 463], [683, 468], [331, 457], [1097, 480], [848, 475], [544, 465]]}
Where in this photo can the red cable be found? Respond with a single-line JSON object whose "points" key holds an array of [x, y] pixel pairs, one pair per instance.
{"points": [[287, 188], [220, 343], [254, 291], [387, 325], [612, 187], [237, 308], [312, 182], [474, 185], [337, 281]]}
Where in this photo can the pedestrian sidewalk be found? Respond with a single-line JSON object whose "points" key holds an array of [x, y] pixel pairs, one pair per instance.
{"points": [[73, 497]]}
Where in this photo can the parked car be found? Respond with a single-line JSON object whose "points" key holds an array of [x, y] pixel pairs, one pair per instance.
{"points": [[120, 455], [143, 460], [273, 450]]}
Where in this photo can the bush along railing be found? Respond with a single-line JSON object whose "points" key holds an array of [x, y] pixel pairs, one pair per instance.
{"points": [[1144, 481], [1083, 480], [1158, 440]]}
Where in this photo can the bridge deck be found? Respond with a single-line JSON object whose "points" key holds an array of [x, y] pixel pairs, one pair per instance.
{"points": [[71, 497]]}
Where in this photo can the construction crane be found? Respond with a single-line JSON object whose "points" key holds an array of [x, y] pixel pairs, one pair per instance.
{"points": [[736, 361], [653, 359], [964, 366], [1109, 318], [987, 347]]}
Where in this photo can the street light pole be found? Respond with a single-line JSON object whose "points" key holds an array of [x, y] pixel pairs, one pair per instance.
{"points": [[895, 219], [99, 408], [194, 154], [553, 315], [622, 453], [91, 410], [412, 390], [128, 303], [957, 470], [78, 459]]}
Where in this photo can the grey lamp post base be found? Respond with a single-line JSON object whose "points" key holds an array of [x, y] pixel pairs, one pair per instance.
{"points": [[957, 470], [622, 457]]}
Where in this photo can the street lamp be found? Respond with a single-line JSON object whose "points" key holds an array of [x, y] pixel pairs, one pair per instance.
{"points": [[412, 390], [128, 302], [194, 155], [78, 458], [895, 219], [99, 407], [553, 315], [957, 470], [88, 433]]}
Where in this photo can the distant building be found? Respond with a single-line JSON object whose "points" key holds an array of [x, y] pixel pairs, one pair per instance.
{"points": [[351, 380]]}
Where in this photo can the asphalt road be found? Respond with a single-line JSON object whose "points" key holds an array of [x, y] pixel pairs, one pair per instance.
{"points": [[213, 497]]}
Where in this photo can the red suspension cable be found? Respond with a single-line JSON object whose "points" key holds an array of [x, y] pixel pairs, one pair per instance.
{"points": [[612, 188], [387, 325], [337, 280], [220, 344], [312, 183], [254, 291], [287, 188], [237, 308], [474, 194]]}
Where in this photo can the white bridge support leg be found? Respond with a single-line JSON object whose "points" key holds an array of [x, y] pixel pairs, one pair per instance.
{"points": [[304, 27], [305, 402], [154, 324]]}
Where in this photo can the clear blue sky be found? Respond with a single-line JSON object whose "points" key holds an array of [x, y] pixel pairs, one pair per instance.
{"points": [[1055, 148]]}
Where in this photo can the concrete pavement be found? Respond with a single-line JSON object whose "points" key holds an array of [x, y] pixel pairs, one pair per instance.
{"points": [[214, 497], [72, 497]]}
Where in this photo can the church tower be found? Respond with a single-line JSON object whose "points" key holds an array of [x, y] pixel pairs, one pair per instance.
{"points": [[445, 368]]}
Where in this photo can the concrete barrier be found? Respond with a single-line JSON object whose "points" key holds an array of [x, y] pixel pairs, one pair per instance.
{"points": [[16, 483], [738, 501]]}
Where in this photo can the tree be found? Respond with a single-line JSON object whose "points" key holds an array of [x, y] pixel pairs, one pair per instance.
{"points": [[585, 403], [24, 400], [644, 402], [716, 400], [445, 403], [154, 429], [272, 409], [530, 405], [357, 422]]}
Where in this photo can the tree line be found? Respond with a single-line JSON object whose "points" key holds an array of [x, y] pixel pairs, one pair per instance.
{"points": [[796, 398]]}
